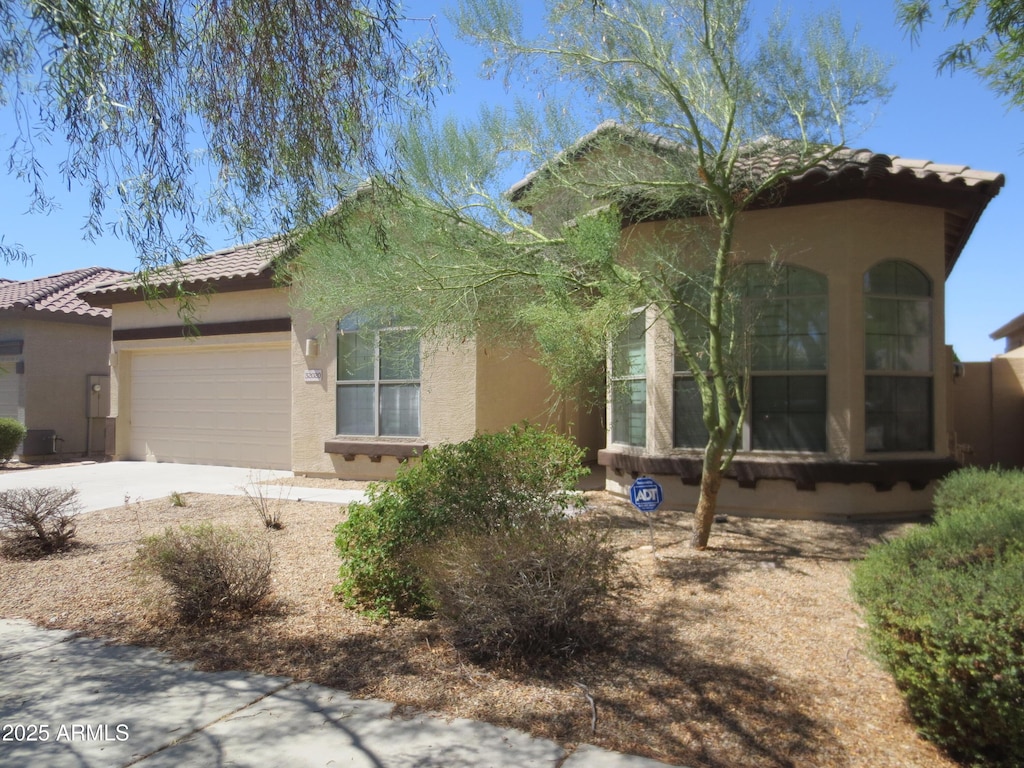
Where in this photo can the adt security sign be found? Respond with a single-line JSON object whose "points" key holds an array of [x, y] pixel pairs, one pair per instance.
{"points": [[645, 493]]}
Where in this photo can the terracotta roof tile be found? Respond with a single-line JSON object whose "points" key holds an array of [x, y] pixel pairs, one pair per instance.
{"points": [[239, 261], [58, 293]]}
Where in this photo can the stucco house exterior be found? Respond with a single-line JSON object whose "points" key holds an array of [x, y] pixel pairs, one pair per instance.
{"points": [[261, 385], [54, 350], [859, 423], [850, 383]]}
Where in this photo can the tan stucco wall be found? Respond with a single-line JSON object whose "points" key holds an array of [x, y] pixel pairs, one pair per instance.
{"points": [[465, 388], [988, 411], [841, 240], [59, 359], [229, 306]]}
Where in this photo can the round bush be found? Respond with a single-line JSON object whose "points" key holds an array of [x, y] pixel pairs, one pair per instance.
{"points": [[12, 432], [482, 485], [944, 607]]}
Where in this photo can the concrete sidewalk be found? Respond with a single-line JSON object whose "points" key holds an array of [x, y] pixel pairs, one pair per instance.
{"points": [[94, 705], [110, 484]]}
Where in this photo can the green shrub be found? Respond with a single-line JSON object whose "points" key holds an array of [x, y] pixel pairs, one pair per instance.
{"points": [[944, 607], [209, 569], [527, 591], [12, 432], [476, 487], [37, 521]]}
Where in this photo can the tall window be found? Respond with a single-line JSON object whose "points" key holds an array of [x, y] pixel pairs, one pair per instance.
{"points": [[629, 384], [898, 404], [378, 382], [788, 358], [787, 312]]}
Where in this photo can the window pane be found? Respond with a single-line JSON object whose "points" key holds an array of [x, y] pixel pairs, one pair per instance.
{"points": [[915, 354], [881, 316], [629, 412], [880, 352], [355, 410], [915, 317], [399, 355], [898, 413], [803, 282], [687, 417], [808, 352], [400, 409], [881, 279], [355, 357], [788, 413], [911, 281], [629, 355]]}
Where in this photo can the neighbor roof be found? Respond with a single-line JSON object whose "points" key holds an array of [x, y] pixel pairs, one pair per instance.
{"points": [[58, 293], [1010, 328], [241, 266], [849, 173]]}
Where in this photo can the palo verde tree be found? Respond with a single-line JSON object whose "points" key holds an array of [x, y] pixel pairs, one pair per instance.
{"points": [[710, 116], [274, 108]]}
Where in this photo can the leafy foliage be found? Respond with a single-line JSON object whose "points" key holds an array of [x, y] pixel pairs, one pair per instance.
{"points": [[35, 522], [708, 116], [279, 106], [209, 569], [943, 604], [12, 432], [477, 487]]}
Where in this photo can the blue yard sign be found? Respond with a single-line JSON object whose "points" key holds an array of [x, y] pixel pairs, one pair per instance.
{"points": [[645, 493]]}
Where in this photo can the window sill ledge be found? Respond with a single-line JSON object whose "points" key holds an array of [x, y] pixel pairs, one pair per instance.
{"points": [[805, 473], [375, 449]]}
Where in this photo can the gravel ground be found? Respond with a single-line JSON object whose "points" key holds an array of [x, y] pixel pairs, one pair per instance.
{"points": [[750, 653]]}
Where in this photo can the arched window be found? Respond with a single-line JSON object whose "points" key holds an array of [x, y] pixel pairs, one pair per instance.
{"points": [[786, 322], [898, 408]]}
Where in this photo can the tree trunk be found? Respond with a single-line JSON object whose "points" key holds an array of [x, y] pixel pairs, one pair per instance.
{"points": [[704, 515]]}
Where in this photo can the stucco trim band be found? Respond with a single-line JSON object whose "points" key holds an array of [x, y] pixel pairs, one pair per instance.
{"points": [[272, 325]]}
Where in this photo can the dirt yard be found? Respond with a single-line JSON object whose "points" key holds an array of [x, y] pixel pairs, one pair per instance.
{"points": [[751, 653]]}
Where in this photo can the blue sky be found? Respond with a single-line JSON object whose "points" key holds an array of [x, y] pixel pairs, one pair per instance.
{"points": [[947, 119]]}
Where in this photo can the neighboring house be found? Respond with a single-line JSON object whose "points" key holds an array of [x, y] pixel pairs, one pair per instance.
{"points": [[54, 350], [262, 386], [850, 401], [988, 407]]}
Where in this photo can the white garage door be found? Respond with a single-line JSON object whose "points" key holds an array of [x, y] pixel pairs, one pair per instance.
{"points": [[227, 407]]}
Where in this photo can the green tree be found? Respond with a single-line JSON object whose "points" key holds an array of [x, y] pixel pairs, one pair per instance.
{"points": [[567, 256], [995, 54], [274, 107]]}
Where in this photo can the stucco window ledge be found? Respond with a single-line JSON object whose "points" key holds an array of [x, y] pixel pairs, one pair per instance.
{"points": [[805, 474], [375, 449]]}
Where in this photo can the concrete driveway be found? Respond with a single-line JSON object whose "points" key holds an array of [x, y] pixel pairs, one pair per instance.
{"points": [[109, 484]]}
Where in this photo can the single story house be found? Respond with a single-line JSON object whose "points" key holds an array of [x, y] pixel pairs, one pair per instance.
{"points": [[251, 382], [852, 417], [54, 369]]}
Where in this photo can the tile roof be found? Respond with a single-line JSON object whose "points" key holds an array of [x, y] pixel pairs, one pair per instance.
{"points": [[57, 293], [238, 262]]}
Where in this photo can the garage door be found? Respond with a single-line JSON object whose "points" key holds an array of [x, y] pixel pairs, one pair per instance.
{"points": [[225, 406]]}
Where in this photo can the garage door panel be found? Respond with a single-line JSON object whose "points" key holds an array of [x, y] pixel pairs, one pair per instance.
{"points": [[213, 406]]}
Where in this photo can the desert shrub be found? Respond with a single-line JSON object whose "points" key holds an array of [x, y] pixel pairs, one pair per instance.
{"points": [[209, 569], [37, 521], [528, 591], [266, 506], [12, 432], [944, 607], [476, 487]]}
